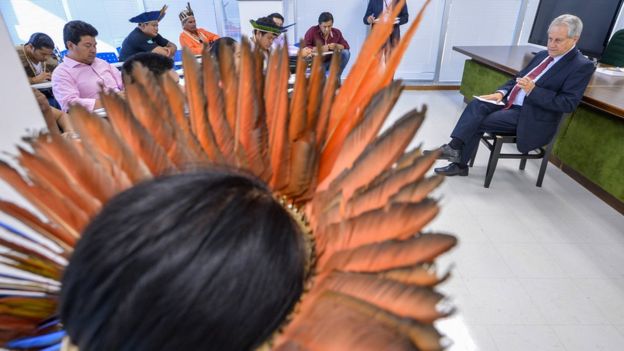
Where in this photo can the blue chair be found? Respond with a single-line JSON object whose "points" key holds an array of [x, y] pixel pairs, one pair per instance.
{"points": [[178, 56], [119, 50], [109, 57], [63, 53]]}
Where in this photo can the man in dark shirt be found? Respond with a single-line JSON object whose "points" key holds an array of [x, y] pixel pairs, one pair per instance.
{"points": [[145, 37], [329, 38]]}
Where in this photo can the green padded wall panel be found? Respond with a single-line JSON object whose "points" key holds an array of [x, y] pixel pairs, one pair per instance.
{"points": [[479, 79], [592, 143]]}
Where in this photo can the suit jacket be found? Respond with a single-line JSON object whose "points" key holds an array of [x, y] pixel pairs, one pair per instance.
{"points": [[375, 7], [556, 92]]}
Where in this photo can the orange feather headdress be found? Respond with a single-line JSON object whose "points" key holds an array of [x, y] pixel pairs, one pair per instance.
{"points": [[365, 197]]}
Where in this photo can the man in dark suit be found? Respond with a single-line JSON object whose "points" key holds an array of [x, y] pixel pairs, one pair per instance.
{"points": [[529, 105], [375, 9]]}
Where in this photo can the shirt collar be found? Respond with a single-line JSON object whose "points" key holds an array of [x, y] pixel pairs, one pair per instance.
{"points": [[73, 63], [331, 32], [557, 58]]}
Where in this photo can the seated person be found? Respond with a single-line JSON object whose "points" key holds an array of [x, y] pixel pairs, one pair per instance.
{"points": [[37, 57], [531, 104], [145, 37], [329, 39], [199, 261], [57, 121], [226, 43], [81, 76], [264, 32], [157, 64], [192, 37], [280, 40]]}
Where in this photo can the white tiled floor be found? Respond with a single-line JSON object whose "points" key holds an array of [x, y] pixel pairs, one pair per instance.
{"points": [[536, 268]]}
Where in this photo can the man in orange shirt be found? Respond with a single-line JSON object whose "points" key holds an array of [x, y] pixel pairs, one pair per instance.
{"points": [[192, 37]]}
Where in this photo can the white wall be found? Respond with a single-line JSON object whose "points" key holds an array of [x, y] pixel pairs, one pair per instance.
{"points": [[476, 22], [255, 9], [23, 18], [19, 113]]}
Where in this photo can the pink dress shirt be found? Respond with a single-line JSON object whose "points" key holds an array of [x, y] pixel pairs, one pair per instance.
{"points": [[79, 83]]}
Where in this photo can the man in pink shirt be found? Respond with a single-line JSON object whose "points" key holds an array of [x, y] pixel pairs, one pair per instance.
{"points": [[78, 79]]}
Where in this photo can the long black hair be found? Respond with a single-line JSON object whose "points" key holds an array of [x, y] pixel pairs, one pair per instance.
{"points": [[222, 44], [200, 261]]}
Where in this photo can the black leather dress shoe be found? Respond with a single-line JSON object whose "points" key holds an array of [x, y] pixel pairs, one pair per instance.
{"points": [[448, 153], [452, 169]]}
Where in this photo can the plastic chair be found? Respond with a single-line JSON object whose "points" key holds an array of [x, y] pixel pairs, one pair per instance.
{"points": [[178, 56], [118, 50], [109, 57], [614, 52]]}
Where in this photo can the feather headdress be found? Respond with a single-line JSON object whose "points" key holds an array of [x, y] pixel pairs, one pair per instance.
{"points": [[365, 197]]}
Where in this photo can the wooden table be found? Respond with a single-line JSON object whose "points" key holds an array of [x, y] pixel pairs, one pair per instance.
{"points": [[604, 92]]}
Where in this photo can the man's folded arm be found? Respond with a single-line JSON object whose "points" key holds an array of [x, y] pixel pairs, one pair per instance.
{"points": [[568, 97]]}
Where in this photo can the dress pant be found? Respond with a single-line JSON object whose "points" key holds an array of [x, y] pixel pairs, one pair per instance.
{"points": [[480, 117]]}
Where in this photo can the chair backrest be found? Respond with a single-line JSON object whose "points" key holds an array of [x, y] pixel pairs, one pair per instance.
{"points": [[109, 57], [118, 50], [614, 53]]}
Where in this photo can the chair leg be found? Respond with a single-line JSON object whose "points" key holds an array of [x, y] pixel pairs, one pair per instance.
{"points": [[491, 167], [474, 155], [523, 163], [542, 170]]}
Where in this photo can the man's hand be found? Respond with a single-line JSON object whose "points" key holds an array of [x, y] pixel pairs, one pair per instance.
{"points": [[497, 96], [370, 19], [331, 46], [41, 77], [161, 51], [305, 52], [526, 84], [44, 106]]}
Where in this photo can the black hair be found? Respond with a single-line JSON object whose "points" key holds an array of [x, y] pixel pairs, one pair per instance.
{"points": [[219, 44], [325, 16], [266, 22], [276, 15], [41, 40], [73, 30], [157, 64], [199, 261]]}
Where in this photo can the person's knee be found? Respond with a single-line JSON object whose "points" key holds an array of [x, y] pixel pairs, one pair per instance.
{"points": [[344, 56]]}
